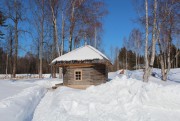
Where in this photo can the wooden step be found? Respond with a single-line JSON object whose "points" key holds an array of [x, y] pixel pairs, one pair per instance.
{"points": [[57, 85]]}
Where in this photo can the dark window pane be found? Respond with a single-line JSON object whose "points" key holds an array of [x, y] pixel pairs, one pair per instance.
{"points": [[78, 75]]}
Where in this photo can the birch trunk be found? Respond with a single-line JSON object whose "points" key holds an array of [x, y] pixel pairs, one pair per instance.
{"points": [[55, 30], [7, 64], [16, 42], [153, 40], [72, 25], [165, 58], [41, 41], [16, 48], [176, 58], [166, 63], [56, 45], [40, 59], [117, 61], [95, 38], [41, 49], [136, 61], [62, 34], [10, 52], [62, 42], [162, 58], [169, 55], [145, 76]]}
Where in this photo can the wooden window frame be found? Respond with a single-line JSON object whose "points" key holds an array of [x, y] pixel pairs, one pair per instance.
{"points": [[80, 75]]}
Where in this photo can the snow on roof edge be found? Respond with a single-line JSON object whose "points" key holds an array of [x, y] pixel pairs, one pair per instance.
{"points": [[89, 46], [99, 52]]}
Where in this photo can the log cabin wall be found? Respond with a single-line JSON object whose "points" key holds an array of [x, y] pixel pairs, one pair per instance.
{"points": [[92, 75]]}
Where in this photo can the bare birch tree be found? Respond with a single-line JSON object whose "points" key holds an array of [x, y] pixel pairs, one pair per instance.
{"points": [[54, 11], [72, 23], [85, 21], [145, 76], [42, 19], [9, 48], [167, 19], [38, 21], [149, 65], [54, 7], [62, 29], [14, 12]]}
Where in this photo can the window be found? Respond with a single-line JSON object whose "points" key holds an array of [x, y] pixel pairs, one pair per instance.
{"points": [[78, 75]]}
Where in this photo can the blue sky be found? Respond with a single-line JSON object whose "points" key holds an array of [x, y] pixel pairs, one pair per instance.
{"points": [[118, 23]]}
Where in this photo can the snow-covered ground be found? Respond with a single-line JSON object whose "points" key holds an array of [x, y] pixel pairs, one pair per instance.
{"points": [[19, 98], [25, 76], [124, 98]]}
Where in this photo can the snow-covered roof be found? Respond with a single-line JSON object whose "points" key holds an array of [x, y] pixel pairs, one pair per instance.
{"points": [[86, 52]]}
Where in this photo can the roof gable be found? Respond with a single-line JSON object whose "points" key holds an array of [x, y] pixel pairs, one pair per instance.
{"points": [[86, 52]]}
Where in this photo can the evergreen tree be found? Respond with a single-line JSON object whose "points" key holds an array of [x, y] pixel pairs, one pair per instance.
{"points": [[131, 60]]}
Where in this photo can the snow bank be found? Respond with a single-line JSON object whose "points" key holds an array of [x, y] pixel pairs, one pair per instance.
{"points": [[9, 88], [20, 107], [26, 76], [112, 75], [47, 83], [121, 99], [19, 98], [174, 74]]}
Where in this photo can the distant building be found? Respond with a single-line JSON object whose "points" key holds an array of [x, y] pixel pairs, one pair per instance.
{"points": [[83, 66]]}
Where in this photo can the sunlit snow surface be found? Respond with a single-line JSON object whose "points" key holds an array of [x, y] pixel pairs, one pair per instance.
{"points": [[124, 98], [19, 98], [82, 55]]}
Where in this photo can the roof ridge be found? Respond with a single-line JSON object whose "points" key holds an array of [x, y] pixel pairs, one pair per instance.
{"points": [[97, 51], [75, 50], [83, 55]]}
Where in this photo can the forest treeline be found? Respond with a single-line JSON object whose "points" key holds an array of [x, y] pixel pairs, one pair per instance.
{"points": [[126, 59], [27, 64]]}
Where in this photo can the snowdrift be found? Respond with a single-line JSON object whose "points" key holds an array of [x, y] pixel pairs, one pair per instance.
{"points": [[122, 99], [21, 106], [26, 76]]}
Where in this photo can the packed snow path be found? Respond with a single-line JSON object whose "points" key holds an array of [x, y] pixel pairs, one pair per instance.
{"points": [[43, 107], [121, 99]]}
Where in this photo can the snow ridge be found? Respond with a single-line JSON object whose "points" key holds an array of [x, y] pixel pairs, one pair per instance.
{"points": [[21, 107], [122, 99]]}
